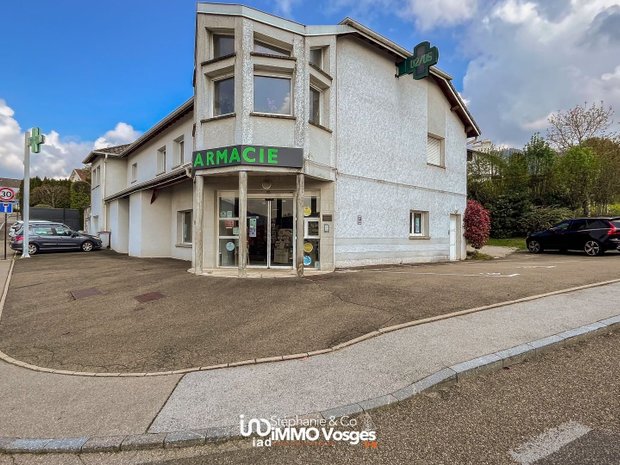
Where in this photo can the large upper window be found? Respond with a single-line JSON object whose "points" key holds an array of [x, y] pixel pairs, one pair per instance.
{"points": [[161, 160], [315, 106], [224, 97], [434, 151], [179, 151], [263, 47], [223, 45], [316, 57], [272, 95]]}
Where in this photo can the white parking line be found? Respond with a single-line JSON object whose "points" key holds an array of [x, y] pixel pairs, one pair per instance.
{"points": [[548, 442], [537, 266], [467, 275]]}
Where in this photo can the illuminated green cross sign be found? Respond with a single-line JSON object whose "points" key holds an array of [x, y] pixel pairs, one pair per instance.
{"points": [[424, 56], [36, 140]]}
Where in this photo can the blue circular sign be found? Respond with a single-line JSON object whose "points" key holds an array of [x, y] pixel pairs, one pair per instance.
{"points": [[307, 260]]}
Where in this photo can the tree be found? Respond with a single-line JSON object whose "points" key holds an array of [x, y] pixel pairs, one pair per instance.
{"points": [[575, 126], [578, 170], [540, 159], [54, 194], [477, 224], [80, 195], [607, 184]]}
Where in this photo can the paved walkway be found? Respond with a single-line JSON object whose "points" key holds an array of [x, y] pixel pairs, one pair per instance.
{"points": [[49, 405]]}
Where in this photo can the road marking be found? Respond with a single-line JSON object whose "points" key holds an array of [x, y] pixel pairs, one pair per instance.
{"points": [[467, 275], [537, 266], [548, 442]]}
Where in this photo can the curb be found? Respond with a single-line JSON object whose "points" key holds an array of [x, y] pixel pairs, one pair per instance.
{"points": [[278, 358], [446, 376]]}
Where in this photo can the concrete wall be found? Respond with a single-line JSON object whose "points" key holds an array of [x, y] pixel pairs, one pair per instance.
{"points": [[181, 199], [382, 169], [119, 225]]}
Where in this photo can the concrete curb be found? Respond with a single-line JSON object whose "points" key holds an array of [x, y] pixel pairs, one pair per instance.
{"points": [[446, 376], [278, 358]]}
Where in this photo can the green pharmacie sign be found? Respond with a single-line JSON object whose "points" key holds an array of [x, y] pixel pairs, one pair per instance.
{"points": [[424, 56], [250, 155]]}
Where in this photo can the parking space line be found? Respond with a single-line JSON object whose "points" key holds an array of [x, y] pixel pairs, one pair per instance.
{"points": [[548, 442], [466, 275]]}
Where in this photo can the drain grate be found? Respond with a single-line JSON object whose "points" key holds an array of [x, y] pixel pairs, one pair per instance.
{"points": [[149, 296], [81, 293]]}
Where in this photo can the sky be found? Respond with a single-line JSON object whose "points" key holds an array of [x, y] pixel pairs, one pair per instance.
{"points": [[93, 74]]}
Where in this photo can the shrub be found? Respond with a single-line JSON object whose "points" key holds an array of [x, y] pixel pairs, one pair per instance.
{"points": [[541, 218], [477, 224], [507, 212]]}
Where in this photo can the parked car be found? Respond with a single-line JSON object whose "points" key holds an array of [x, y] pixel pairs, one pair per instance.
{"points": [[19, 224], [592, 235], [54, 236]]}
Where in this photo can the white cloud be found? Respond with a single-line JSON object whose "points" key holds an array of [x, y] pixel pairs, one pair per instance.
{"points": [[285, 7], [58, 155], [530, 60], [123, 133], [427, 15]]}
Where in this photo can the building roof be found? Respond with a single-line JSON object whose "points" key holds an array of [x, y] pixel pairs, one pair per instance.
{"points": [[121, 151], [350, 26], [82, 173], [10, 182], [114, 150]]}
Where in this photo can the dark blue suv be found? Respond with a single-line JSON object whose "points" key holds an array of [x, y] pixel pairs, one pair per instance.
{"points": [[592, 235]]}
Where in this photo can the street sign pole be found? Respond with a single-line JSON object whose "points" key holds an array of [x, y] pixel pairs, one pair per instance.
{"points": [[33, 142], [6, 219], [26, 197]]}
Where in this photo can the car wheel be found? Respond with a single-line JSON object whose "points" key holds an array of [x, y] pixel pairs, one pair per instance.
{"points": [[33, 249], [87, 246], [534, 247], [593, 248]]}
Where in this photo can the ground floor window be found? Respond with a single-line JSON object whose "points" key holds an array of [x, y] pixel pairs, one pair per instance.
{"points": [[228, 231], [270, 230], [185, 227], [312, 232], [418, 224]]}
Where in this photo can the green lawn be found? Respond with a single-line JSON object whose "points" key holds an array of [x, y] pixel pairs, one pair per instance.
{"points": [[518, 242]]}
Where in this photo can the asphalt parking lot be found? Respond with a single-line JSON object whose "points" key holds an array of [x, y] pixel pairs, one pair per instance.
{"points": [[80, 311]]}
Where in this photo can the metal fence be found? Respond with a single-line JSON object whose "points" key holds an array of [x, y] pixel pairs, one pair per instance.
{"points": [[69, 216]]}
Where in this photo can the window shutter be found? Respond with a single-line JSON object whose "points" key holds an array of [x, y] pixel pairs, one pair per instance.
{"points": [[433, 151]]}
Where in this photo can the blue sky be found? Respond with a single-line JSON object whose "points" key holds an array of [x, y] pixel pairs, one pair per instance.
{"points": [[103, 72]]}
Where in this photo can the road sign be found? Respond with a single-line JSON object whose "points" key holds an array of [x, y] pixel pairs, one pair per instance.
{"points": [[6, 208], [7, 194]]}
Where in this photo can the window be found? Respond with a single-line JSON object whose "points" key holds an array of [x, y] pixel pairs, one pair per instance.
{"points": [[563, 226], [262, 47], [598, 224], [161, 160], [223, 45], [96, 175], [577, 225], [418, 226], [315, 106], [179, 151], [185, 227], [316, 57], [134, 172], [224, 97], [272, 95], [62, 231], [434, 151]]}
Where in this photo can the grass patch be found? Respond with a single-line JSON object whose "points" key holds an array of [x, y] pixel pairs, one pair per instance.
{"points": [[518, 242], [476, 255]]}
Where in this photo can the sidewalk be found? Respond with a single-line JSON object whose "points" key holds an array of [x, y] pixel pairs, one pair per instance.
{"points": [[373, 372]]}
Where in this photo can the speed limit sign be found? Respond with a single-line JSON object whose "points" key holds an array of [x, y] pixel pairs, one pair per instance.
{"points": [[7, 194]]}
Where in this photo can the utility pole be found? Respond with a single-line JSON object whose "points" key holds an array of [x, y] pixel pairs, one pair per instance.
{"points": [[33, 142]]}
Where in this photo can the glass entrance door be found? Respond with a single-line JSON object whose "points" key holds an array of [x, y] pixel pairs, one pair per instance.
{"points": [[270, 232]]}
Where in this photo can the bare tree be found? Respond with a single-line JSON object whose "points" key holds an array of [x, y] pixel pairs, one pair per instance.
{"points": [[571, 128], [50, 194]]}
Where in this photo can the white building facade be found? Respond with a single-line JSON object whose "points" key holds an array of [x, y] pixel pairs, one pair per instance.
{"points": [[300, 149]]}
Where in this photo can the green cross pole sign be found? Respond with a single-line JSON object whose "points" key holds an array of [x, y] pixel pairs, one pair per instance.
{"points": [[424, 56], [36, 140]]}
